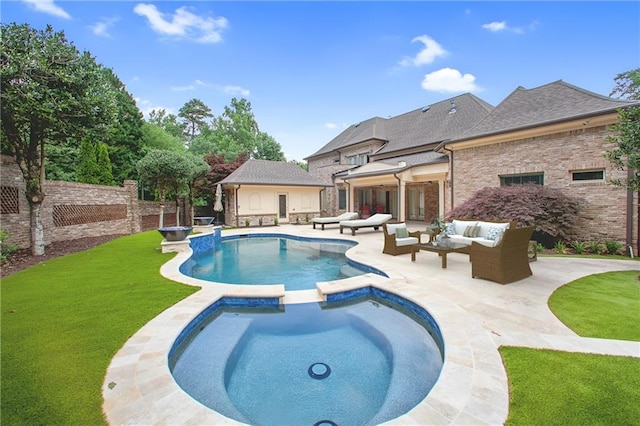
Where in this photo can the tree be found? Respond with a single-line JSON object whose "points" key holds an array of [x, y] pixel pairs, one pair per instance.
{"points": [[197, 168], [105, 170], [626, 154], [194, 113], [49, 92], [267, 148], [219, 168], [155, 137], [164, 170], [87, 162], [168, 122]]}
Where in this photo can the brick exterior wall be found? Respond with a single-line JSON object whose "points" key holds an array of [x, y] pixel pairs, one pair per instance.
{"points": [[74, 210], [603, 215], [323, 168]]}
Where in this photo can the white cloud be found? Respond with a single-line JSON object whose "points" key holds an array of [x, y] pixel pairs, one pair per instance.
{"points": [[495, 27], [146, 106], [330, 125], [101, 28], [47, 6], [202, 83], [183, 24], [236, 90], [449, 80], [431, 51]]}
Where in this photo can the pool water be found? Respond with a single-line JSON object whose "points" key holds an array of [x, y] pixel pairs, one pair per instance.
{"points": [[298, 264], [351, 363]]}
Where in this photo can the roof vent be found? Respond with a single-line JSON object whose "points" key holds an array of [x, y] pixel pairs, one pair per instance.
{"points": [[356, 125], [425, 109], [452, 106]]}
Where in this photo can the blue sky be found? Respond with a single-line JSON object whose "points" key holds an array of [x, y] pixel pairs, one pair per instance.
{"points": [[311, 69]]}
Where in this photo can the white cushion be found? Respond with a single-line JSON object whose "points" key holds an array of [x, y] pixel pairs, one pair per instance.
{"points": [[461, 225], [391, 229], [406, 241]]}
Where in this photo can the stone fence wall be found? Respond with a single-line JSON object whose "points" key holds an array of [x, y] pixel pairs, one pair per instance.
{"points": [[75, 210]]}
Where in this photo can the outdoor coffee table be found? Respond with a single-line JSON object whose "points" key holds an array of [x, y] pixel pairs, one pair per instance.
{"points": [[441, 249]]}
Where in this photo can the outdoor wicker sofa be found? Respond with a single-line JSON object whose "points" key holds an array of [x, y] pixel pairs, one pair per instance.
{"points": [[507, 262], [398, 239]]}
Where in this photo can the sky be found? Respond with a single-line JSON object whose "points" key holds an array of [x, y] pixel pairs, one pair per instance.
{"points": [[312, 68]]}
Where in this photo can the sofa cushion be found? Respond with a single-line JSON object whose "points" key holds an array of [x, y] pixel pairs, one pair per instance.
{"points": [[461, 225], [392, 228], [406, 241], [459, 239]]}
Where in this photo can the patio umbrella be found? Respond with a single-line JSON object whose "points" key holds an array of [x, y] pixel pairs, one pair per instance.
{"points": [[217, 207]]}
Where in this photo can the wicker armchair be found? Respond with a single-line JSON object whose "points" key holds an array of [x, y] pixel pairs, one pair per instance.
{"points": [[505, 263], [394, 246]]}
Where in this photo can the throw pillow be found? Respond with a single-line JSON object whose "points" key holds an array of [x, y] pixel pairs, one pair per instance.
{"points": [[451, 229], [402, 232], [494, 233], [471, 231]]}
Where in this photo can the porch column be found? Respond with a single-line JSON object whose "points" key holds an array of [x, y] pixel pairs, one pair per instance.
{"points": [[442, 193]]}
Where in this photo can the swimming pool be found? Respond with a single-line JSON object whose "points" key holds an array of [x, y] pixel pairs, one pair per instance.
{"points": [[257, 259], [367, 358]]}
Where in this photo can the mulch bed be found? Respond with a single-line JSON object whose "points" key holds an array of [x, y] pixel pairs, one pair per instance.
{"points": [[23, 258]]}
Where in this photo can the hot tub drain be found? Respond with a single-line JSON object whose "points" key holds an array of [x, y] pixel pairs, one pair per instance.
{"points": [[319, 370]]}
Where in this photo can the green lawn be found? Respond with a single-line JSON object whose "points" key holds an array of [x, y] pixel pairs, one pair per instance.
{"points": [[63, 321], [562, 388]]}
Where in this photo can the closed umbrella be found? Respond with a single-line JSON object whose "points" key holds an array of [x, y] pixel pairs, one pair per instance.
{"points": [[217, 207]]}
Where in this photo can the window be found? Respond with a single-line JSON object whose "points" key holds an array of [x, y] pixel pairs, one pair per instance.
{"points": [[535, 178], [352, 159], [578, 176], [362, 159], [342, 199]]}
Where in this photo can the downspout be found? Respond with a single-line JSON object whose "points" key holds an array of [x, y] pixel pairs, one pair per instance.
{"points": [[400, 197], [451, 173], [629, 225], [237, 207]]}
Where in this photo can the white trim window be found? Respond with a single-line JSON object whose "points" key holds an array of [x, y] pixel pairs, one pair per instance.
{"points": [[587, 176]]}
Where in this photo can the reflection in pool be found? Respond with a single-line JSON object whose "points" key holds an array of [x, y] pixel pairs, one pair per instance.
{"points": [[298, 263], [363, 360]]}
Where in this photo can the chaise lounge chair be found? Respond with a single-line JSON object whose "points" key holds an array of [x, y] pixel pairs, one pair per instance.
{"points": [[335, 219], [374, 222]]}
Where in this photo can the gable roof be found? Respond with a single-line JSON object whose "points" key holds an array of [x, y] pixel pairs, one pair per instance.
{"points": [[416, 128], [395, 164], [265, 172], [551, 103]]}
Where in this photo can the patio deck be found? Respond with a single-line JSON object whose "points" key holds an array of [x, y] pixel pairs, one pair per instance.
{"points": [[476, 317]]}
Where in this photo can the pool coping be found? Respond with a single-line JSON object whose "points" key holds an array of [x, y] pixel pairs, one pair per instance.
{"points": [[472, 387]]}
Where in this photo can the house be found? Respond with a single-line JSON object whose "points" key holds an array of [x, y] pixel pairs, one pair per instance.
{"points": [[390, 165], [419, 165], [262, 192]]}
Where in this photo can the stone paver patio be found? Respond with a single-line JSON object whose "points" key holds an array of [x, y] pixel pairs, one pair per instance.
{"points": [[475, 316]]}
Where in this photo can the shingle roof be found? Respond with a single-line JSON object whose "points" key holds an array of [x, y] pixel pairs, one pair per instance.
{"points": [[410, 160], [264, 172], [553, 102], [419, 127]]}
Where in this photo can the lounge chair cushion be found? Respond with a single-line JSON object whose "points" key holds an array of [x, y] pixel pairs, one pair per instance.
{"points": [[400, 242], [402, 232]]}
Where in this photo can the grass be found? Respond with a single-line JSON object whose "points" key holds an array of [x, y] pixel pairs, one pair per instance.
{"points": [[602, 305], [562, 388], [64, 319]]}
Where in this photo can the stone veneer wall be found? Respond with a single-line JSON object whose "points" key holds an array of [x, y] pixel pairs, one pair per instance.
{"points": [[603, 215], [74, 210]]}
